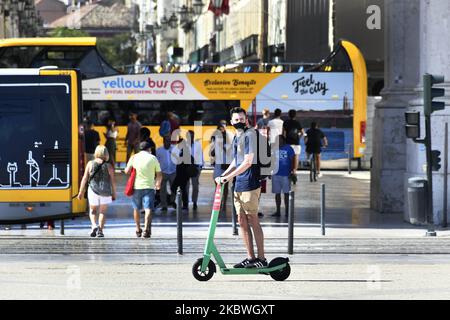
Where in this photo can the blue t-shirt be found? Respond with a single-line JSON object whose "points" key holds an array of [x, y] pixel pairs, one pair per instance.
{"points": [[245, 144], [284, 158]]}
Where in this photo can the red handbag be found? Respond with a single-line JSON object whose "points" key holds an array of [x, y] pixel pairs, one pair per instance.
{"points": [[129, 188]]}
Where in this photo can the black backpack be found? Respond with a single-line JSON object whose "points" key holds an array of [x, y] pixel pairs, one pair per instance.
{"points": [[292, 133]]}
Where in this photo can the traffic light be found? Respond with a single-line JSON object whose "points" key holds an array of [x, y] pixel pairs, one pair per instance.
{"points": [[435, 160], [412, 125], [429, 93]]}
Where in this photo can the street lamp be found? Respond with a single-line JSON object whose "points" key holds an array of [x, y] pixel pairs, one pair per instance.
{"points": [[164, 23], [173, 21], [184, 12], [218, 24], [28, 10], [14, 6], [186, 15], [156, 28], [217, 3], [198, 7], [6, 9], [21, 5]]}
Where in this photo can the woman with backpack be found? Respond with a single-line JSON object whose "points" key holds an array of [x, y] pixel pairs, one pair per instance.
{"points": [[101, 189]]}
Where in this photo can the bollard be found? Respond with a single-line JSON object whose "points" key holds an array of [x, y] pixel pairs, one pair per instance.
{"points": [[291, 223], [322, 208], [444, 222], [179, 222], [62, 227], [349, 159]]}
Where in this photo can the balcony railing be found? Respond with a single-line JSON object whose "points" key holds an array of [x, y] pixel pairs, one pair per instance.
{"points": [[221, 68]]}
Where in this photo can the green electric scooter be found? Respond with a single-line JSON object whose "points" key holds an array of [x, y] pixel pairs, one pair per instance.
{"points": [[204, 268]]}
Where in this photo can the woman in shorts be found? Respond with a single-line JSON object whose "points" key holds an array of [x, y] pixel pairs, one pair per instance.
{"points": [[99, 179]]}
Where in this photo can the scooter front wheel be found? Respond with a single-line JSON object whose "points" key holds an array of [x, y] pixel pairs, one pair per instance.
{"points": [[203, 276]]}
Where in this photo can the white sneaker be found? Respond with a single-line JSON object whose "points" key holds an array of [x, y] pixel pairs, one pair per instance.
{"points": [[319, 175]]}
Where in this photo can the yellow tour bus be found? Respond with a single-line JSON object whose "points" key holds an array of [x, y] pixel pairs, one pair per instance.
{"points": [[41, 145], [332, 93]]}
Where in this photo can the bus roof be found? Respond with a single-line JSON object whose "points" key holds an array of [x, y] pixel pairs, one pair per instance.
{"points": [[75, 41]]}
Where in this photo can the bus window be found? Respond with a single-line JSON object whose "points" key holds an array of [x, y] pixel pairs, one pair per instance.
{"points": [[214, 111], [17, 57], [152, 113], [86, 58], [93, 65], [148, 112], [34, 120]]}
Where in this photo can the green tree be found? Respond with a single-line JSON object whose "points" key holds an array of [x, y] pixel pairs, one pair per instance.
{"points": [[64, 32], [119, 50]]}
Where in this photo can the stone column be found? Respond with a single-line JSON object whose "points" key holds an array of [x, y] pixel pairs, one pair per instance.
{"points": [[402, 42], [2, 26], [434, 59]]}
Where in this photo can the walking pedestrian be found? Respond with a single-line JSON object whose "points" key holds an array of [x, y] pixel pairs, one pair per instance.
{"points": [[181, 153], [99, 179], [111, 137], [275, 126], [91, 141], [263, 124], [132, 137], [284, 159], [315, 139], [168, 169], [293, 132], [174, 121], [197, 155], [145, 135], [148, 179]]}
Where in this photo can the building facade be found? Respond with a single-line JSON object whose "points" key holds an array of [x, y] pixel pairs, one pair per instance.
{"points": [[105, 18], [19, 19]]}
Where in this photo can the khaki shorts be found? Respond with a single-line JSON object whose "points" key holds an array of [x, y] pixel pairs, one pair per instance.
{"points": [[247, 202]]}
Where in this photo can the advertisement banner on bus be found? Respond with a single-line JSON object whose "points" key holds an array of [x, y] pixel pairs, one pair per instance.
{"points": [[320, 91]]}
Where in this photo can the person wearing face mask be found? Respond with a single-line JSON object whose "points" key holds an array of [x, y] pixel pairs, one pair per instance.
{"points": [[247, 188]]}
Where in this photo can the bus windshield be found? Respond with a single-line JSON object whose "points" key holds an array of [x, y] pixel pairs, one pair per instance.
{"points": [[36, 119], [86, 58]]}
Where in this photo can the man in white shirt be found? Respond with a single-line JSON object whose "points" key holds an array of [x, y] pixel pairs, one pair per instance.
{"points": [[275, 126], [168, 169]]}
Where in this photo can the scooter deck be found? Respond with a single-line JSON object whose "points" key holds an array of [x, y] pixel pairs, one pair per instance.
{"points": [[266, 271]]}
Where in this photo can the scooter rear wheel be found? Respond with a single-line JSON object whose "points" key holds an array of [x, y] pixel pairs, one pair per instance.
{"points": [[203, 276], [281, 274]]}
